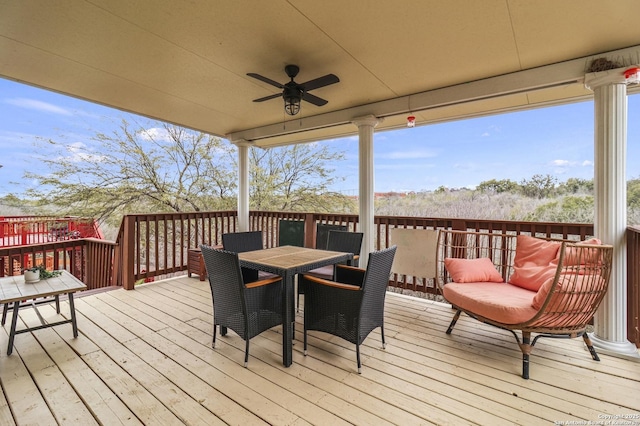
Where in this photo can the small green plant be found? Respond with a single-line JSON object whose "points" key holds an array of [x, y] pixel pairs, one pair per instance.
{"points": [[44, 274]]}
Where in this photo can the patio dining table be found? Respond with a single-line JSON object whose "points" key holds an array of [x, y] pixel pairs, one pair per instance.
{"points": [[287, 261], [14, 289]]}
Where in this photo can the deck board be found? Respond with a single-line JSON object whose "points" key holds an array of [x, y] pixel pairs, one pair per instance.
{"points": [[59, 394], [145, 357]]}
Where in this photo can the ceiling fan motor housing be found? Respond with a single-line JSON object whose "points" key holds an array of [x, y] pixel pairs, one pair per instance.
{"points": [[291, 91]]}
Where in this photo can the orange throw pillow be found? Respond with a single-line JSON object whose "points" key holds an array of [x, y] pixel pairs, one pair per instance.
{"points": [[533, 263], [568, 302], [571, 254], [479, 270]]}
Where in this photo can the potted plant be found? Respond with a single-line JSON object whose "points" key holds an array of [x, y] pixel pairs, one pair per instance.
{"points": [[37, 273], [32, 275]]}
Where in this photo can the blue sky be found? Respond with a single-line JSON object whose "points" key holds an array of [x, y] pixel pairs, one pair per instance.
{"points": [[556, 141]]}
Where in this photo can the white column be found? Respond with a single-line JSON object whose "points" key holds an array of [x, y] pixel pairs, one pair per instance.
{"points": [[243, 185], [610, 224], [366, 195]]}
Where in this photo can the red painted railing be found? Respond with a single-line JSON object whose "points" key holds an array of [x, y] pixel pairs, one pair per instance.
{"points": [[29, 230]]}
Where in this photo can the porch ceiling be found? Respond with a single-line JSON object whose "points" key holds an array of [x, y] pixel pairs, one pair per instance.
{"points": [[187, 64]]}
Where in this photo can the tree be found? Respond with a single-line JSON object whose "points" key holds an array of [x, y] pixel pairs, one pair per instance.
{"points": [[539, 186], [296, 178], [137, 169], [164, 168], [576, 185], [568, 209], [633, 194], [497, 186], [10, 205]]}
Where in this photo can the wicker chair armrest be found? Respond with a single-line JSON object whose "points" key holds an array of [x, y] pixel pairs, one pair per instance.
{"points": [[264, 282], [321, 281], [351, 268], [349, 275]]}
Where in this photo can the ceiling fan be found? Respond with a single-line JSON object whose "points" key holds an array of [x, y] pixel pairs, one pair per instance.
{"points": [[293, 92]]}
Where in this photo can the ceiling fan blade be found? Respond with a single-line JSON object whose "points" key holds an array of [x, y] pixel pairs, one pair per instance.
{"points": [[314, 99], [266, 98], [265, 79], [320, 82]]}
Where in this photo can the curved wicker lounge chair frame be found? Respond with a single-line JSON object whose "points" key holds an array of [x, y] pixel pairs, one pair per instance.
{"points": [[577, 290], [353, 305], [248, 309]]}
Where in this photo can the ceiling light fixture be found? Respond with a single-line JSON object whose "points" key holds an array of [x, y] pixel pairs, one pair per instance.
{"points": [[292, 97]]}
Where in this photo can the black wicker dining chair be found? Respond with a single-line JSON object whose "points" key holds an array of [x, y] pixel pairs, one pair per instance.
{"points": [[246, 308], [322, 234], [239, 242], [344, 241], [351, 306]]}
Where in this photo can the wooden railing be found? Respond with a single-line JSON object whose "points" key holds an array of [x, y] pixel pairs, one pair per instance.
{"points": [[384, 225], [156, 245], [88, 259]]}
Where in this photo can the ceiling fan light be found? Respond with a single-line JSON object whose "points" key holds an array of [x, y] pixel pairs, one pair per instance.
{"points": [[292, 105]]}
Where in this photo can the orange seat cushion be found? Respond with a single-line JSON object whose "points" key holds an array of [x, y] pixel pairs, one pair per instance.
{"points": [[501, 302], [472, 270]]}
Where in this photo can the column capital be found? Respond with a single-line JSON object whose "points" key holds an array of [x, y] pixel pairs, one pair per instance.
{"points": [[242, 142], [367, 120], [593, 80]]}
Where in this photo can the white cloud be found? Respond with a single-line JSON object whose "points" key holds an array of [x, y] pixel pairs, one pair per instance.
{"points": [[37, 106], [156, 134], [79, 155], [567, 163], [404, 167], [408, 155], [466, 166], [491, 130]]}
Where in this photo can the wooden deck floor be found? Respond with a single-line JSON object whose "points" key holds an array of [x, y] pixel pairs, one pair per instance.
{"points": [[145, 357]]}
